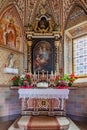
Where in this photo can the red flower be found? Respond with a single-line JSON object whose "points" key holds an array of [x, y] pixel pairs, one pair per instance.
{"points": [[72, 76], [27, 75], [18, 76], [14, 78], [57, 77], [71, 81], [76, 77], [65, 81]]}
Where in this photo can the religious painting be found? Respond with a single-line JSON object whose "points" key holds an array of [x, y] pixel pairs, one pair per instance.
{"points": [[11, 32], [43, 57]]}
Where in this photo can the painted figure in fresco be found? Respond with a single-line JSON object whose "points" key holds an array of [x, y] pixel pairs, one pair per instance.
{"points": [[11, 33]]}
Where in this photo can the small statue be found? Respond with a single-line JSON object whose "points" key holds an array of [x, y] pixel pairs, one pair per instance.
{"points": [[11, 61]]}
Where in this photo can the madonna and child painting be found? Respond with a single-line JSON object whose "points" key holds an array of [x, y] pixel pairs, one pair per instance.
{"points": [[43, 57]]}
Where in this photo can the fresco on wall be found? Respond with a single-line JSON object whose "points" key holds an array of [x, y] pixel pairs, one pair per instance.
{"points": [[10, 32]]}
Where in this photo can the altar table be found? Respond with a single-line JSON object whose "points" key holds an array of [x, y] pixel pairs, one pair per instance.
{"points": [[43, 99]]}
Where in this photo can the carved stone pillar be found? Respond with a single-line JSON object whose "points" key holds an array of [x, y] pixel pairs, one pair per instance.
{"points": [[29, 44], [57, 42]]}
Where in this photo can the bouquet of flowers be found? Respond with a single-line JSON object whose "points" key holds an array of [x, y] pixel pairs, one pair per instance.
{"points": [[23, 80], [16, 80], [65, 81]]}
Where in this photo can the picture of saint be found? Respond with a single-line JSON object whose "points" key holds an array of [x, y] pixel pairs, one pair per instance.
{"points": [[10, 33], [42, 56]]}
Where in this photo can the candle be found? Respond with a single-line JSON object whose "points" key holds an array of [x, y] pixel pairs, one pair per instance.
{"points": [[43, 74], [34, 75], [52, 73], [55, 73], [38, 75], [47, 75], [30, 73]]}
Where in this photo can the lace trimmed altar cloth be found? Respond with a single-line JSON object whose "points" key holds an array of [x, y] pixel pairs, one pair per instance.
{"points": [[43, 93]]}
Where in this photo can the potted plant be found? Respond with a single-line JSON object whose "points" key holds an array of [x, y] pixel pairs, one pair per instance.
{"points": [[23, 81], [65, 81], [16, 80]]}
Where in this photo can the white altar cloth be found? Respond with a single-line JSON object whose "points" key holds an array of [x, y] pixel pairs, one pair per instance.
{"points": [[43, 93]]}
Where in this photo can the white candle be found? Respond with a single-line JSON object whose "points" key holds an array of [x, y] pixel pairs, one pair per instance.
{"points": [[52, 73], [55, 73]]}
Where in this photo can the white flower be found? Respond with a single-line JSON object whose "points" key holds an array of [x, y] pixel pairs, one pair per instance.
{"points": [[22, 76]]}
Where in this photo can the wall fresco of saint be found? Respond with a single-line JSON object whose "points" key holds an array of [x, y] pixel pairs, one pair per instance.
{"points": [[10, 30]]}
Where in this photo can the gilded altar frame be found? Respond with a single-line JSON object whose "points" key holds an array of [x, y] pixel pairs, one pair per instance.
{"points": [[43, 34]]}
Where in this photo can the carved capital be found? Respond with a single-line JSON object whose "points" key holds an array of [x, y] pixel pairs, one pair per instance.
{"points": [[29, 43], [57, 41]]}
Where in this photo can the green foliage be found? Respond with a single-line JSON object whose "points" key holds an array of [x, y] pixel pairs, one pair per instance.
{"points": [[65, 80]]}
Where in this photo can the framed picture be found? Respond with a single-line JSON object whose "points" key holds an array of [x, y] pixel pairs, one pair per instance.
{"points": [[43, 57]]}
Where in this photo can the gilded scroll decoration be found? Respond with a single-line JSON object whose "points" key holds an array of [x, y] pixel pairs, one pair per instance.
{"points": [[43, 25]]}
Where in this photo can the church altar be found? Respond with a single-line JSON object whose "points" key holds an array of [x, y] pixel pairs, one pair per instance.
{"points": [[43, 101]]}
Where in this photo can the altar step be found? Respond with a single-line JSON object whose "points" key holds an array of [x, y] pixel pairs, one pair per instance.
{"points": [[49, 113], [43, 123]]}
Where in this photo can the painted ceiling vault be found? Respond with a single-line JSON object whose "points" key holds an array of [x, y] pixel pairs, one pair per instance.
{"points": [[28, 10]]}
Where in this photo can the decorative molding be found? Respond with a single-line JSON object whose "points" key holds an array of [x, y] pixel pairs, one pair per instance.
{"points": [[7, 48]]}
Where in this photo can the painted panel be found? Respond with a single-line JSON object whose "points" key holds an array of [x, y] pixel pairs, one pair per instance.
{"points": [[43, 56], [11, 32]]}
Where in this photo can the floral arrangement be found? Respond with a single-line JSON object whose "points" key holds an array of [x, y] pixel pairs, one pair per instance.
{"points": [[16, 80], [65, 81], [23, 80]]}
